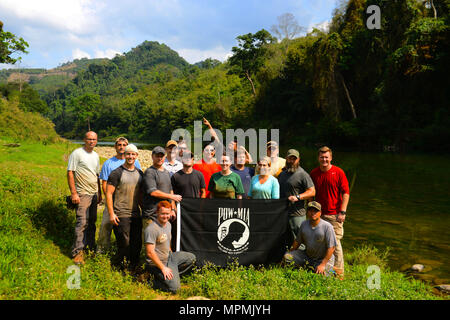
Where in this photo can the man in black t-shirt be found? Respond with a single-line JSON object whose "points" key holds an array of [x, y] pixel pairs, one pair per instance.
{"points": [[189, 182]]}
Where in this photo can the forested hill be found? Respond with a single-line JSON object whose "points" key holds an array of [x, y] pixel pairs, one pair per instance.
{"points": [[47, 80], [349, 86]]}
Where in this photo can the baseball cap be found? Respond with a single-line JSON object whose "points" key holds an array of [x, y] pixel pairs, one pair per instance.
{"points": [[158, 149], [121, 139], [315, 205], [171, 142], [293, 152], [131, 148]]}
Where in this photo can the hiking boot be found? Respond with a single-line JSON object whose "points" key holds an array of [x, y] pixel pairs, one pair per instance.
{"points": [[339, 273], [79, 258]]}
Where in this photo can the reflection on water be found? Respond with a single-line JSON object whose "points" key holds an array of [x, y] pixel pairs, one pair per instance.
{"points": [[397, 201]]}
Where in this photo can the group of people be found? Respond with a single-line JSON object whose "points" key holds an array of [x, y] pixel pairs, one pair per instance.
{"points": [[141, 206]]}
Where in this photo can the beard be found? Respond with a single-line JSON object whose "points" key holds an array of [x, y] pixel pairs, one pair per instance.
{"points": [[292, 168]]}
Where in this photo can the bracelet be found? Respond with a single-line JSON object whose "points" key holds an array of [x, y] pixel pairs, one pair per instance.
{"points": [[342, 212]]}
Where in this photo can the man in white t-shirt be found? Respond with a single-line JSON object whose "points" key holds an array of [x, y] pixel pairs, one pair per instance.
{"points": [[171, 163], [277, 163], [83, 178]]}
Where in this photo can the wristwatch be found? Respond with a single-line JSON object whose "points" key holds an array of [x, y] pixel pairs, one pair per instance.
{"points": [[298, 197], [342, 212]]}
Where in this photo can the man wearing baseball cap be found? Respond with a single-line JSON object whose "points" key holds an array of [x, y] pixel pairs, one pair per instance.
{"points": [[171, 163], [297, 186], [277, 163], [319, 239], [157, 187]]}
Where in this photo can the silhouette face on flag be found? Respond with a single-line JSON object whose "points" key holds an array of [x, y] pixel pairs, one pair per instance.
{"points": [[234, 234], [222, 230]]}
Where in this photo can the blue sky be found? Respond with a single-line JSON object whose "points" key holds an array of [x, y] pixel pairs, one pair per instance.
{"points": [[58, 31]]}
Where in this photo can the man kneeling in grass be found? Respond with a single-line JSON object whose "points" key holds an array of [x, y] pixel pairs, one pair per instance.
{"points": [[319, 239], [165, 265]]}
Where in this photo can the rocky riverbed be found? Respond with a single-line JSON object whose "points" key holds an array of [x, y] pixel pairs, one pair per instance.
{"points": [[145, 156]]}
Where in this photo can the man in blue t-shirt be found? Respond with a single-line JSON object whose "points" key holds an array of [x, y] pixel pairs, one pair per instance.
{"points": [[246, 173], [104, 236]]}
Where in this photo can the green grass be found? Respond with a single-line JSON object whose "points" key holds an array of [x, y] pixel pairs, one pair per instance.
{"points": [[17, 125], [36, 232]]}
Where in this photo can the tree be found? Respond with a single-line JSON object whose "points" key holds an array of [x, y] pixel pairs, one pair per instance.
{"points": [[9, 45], [85, 107], [248, 57], [287, 27]]}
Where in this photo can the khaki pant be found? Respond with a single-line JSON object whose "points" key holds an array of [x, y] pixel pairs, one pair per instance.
{"points": [[339, 232]]}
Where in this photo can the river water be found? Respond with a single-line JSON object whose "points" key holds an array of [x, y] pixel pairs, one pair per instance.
{"points": [[398, 201]]}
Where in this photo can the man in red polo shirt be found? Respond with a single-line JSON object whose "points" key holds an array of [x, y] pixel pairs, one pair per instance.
{"points": [[332, 192]]}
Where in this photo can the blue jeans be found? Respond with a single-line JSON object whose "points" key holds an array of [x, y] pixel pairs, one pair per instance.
{"points": [[301, 259], [295, 223], [180, 262]]}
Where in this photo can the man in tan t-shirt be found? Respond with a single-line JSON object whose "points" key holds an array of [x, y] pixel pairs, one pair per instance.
{"points": [[83, 178]]}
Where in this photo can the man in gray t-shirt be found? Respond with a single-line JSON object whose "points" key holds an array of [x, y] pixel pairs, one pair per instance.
{"points": [[165, 265], [319, 239], [297, 186]]}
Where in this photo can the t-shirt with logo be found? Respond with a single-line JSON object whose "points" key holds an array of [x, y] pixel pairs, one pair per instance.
{"points": [[127, 191], [160, 236], [86, 167], [330, 186], [226, 187], [317, 239]]}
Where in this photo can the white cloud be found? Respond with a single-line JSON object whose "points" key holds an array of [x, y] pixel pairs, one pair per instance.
{"points": [[108, 53], [77, 16], [323, 26], [78, 54], [196, 55]]}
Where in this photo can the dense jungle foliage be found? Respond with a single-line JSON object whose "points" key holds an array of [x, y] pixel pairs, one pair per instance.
{"points": [[349, 86]]}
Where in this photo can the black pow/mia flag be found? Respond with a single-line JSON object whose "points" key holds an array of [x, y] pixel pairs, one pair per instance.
{"points": [[221, 231]]}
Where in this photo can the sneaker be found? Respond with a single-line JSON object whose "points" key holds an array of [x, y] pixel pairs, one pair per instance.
{"points": [[79, 259]]}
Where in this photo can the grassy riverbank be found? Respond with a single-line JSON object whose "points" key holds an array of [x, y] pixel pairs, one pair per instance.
{"points": [[36, 233]]}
